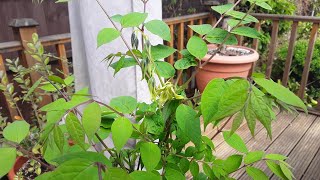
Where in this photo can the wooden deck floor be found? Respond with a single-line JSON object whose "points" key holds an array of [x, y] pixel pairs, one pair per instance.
{"points": [[296, 136]]}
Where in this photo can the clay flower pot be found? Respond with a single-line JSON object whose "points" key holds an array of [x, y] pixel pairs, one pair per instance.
{"points": [[221, 66], [17, 165]]}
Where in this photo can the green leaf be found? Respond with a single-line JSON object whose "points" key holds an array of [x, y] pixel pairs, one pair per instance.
{"points": [[172, 174], [16, 131], [234, 22], [55, 116], [150, 155], [218, 36], [7, 159], [76, 169], [75, 130], [262, 4], [133, 19], [194, 168], [246, 31], [124, 104], [276, 169], [91, 119], [107, 35], [208, 171], [144, 175], [184, 165], [208, 142], [58, 137], [33, 87], [237, 121], [165, 69], [54, 106], [286, 171], [201, 29], [189, 123], [281, 93], [160, 51], [241, 15], [121, 131], [235, 141], [91, 156], [223, 8], [250, 117], [232, 163], [56, 79], [256, 174], [197, 47], [116, 174], [185, 63], [276, 157], [116, 18], [123, 63], [254, 156], [159, 28]]}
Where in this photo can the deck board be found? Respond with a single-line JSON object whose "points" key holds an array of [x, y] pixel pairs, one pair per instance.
{"points": [[313, 171]]}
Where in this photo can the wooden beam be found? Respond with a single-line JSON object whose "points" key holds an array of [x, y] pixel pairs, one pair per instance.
{"points": [[63, 61], [272, 47]]}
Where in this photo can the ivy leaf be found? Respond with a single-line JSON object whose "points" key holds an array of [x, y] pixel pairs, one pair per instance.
{"points": [[194, 168], [121, 131], [237, 121], [185, 63], [222, 8], [189, 123], [201, 29], [276, 169], [133, 19], [160, 51], [232, 163], [254, 156], [16, 131], [197, 47], [144, 175], [124, 104], [165, 69], [210, 99], [107, 35], [150, 155], [218, 36], [58, 137], [235, 141], [246, 31], [91, 119], [159, 28], [281, 93], [256, 174], [7, 159], [75, 130]]}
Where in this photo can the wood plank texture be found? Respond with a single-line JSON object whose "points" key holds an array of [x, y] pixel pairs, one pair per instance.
{"points": [[313, 172], [272, 47]]}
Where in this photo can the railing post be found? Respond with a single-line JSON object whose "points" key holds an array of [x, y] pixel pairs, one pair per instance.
{"points": [[23, 30], [63, 61], [272, 47]]}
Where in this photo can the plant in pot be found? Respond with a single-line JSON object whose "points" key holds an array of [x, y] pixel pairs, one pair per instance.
{"points": [[227, 60], [170, 143]]}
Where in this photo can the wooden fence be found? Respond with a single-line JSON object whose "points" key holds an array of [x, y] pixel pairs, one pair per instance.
{"points": [[180, 33]]}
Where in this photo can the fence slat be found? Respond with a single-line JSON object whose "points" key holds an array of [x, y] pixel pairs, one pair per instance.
{"points": [[272, 47], [306, 69], [171, 44], [12, 111], [255, 44], [292, 43], [63, 61]]}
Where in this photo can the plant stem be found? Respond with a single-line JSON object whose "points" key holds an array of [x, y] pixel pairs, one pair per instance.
{"points": [[221, 128]]}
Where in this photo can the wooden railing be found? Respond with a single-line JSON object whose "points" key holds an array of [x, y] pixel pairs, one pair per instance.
{"points": [[180, 33]]}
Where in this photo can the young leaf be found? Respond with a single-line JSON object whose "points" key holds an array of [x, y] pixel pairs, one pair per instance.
{"points": [[91, 119], [253, 157], [201, 29], [7, 159], [232, 163], [189, 123], [218, 36], [276, 157], [150, 155], [256, 174], [197, 47], [133, 19], [237, 121], [185, 63], [194, 168], [281, 93], [275, 168], [75, 130], [222, 8], [124, 104], [121, 131], [159, 28], [235, 141], [107, 35], [144, 175], [58, 137], [165, 69], [56, 79], [160, 51], [16, 131], [246, 31]]}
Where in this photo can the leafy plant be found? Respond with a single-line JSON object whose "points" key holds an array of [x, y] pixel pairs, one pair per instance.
{"points": [[170, 143]]}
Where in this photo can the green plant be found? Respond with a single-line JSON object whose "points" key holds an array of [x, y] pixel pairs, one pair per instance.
{"points": [[170, 143]]}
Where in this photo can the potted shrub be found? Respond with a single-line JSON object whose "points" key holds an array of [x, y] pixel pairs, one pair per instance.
{"points": [[170, 142]]}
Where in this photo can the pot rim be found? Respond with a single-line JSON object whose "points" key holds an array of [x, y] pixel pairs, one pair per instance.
{"points": [[232, 59]]}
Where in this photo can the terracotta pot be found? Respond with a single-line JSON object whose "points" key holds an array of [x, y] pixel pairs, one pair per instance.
{"points": [[17, 165], [225, 66]]}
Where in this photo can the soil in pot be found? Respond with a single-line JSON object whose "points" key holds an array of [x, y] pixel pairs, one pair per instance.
{"points": [[234, 61]]}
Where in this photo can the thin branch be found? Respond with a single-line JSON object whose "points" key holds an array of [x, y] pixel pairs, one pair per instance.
{"points": [[221, 128]]}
